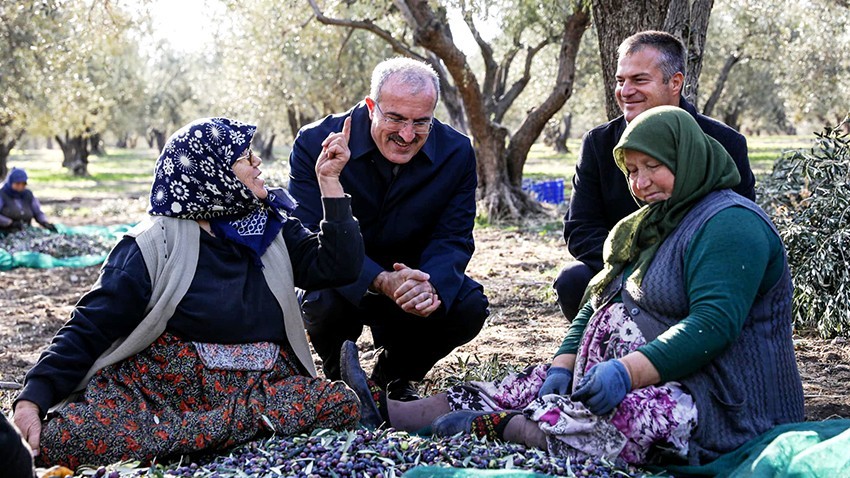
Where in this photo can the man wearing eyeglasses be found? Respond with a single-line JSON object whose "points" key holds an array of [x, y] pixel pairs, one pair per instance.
{"points": [[412, 180]]}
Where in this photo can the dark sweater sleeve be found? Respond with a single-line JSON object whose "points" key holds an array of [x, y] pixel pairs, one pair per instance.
{"points": [[331, 258], [113, 307], [734, 256]]}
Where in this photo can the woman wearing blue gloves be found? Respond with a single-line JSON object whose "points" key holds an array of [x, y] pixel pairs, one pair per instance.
{"points": [[682, 350]]}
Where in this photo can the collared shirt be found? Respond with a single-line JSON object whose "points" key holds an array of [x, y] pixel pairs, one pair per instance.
{"points": [[421, 215]]}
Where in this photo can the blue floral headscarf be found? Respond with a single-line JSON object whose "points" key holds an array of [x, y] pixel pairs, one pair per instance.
{"points": [[194, 179]]}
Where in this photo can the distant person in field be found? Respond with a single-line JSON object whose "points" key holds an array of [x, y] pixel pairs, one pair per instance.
{"points": [[650, 72], [18, 205], [412, 181], [192, 339], [682, 350]]}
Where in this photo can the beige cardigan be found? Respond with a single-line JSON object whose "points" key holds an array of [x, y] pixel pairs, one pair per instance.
{"points": [[170, 248]]}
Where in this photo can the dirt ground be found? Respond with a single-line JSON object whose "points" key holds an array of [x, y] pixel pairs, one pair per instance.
{"points": [[515, 265]]}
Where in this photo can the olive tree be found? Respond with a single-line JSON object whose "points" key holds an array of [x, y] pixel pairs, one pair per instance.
{"points": [[418, 28], [281, 69], [26, 30], [774, 64], [618, 19], [82, 76]]}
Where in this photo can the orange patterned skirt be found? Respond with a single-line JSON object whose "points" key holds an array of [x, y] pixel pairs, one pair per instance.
{"points": [[165, 402]]}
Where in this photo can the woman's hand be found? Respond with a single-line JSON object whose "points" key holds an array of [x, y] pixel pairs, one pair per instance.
{"points": [[27, 420], [603, 387], [333, 158], [558, 380]]}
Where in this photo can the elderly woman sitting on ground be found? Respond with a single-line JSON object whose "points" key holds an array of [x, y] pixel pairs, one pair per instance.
{"points": [[191, 340]]}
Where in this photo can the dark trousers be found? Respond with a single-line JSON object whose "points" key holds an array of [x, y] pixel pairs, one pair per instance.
{"points": [[570, 286], [412, 344], [15, 457]]}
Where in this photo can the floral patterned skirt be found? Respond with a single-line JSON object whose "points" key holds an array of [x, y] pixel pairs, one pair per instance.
{"points": [[651, 424], [164, 402]]}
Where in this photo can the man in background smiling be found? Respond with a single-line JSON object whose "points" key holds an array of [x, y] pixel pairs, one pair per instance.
{"points": [[650, 72], [412, 180]]}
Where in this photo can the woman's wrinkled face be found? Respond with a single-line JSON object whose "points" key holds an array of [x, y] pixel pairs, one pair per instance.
{"points": [[247, 170], [649, 179]]}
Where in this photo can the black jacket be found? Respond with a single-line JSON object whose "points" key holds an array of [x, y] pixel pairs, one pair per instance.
{"points": [[601, 197]]}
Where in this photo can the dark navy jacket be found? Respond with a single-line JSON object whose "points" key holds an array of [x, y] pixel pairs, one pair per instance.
{"points": [[601, 196], [422, 217]]}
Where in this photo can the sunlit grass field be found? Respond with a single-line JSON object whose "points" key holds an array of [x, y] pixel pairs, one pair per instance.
{"points": [[128, 172]]}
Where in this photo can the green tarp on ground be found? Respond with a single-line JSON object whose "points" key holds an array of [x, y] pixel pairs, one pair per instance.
{"points": [[40, 260], [445, 472], [795, 450]]}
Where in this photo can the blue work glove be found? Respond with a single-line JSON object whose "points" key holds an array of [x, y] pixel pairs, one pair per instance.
{"points": [[558, 381], [604, 387]]}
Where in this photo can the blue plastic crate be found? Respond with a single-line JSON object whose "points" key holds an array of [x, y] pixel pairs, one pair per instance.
{"points": [[549, 191]]}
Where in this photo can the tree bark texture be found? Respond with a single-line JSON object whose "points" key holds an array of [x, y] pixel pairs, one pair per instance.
{"points": [[264, 145], [563, 134], [5, 149], [97, 146], [615, 21], [9, 137], [688, 20], [156, 137]]}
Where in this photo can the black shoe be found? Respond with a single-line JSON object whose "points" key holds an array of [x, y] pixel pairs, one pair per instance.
{"points": [[452, 423], [354, 376], [402, 390]]}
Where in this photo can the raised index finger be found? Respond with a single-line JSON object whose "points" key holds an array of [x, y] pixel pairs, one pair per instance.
{"points": [[346, 128]]}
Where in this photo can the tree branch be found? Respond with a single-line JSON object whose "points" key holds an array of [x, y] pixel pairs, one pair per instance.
{"points": [[505, 69], [504, 103], [574, 27], [490, 66], [434, 35], [733, 59], [367, 25]]}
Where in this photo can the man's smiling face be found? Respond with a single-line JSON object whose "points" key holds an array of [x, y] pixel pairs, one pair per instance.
{"points": [[401, 102], [641, 85]]}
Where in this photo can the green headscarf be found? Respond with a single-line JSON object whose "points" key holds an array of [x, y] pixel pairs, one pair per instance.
{"points": [[700, 165]]}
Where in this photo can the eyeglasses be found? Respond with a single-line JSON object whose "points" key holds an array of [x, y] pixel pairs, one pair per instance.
{"points": [[249, 156], [395, 124]]}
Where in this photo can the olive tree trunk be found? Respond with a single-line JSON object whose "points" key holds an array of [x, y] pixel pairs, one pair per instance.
{"points": [[75, 152]]}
